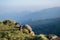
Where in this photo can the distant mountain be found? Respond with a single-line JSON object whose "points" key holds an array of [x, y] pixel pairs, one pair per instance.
{"points": [[44, 14], [25, 16], [46, 26], [46, 21]]}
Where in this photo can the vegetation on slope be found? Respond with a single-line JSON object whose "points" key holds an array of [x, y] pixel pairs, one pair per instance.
{"points": [[11, 30]]}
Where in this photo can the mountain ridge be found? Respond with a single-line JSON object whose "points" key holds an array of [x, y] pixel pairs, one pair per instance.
{"points": [[46, 26]]}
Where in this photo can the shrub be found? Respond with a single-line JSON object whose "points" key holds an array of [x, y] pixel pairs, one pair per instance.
{"points": [[43, 37], [25, 31]]}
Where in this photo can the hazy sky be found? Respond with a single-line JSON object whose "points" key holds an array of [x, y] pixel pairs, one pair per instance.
{"points": [[8, 8], [30, 5]]}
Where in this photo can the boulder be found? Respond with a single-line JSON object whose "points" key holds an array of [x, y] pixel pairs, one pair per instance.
{"points": [[56, 38], [32, 33], [52, 37], [17, 24], [9, 21], [26, 26]]}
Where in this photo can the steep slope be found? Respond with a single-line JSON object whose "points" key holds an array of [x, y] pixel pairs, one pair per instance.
{"points": [[46, 26]]}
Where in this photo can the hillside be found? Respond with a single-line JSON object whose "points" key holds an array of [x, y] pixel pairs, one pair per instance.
{"points": [[11, 30], [43, 14], [46, 26]]}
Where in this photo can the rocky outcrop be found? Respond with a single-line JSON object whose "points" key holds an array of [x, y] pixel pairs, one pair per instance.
{"points": [[26, 26], [56, 38], [20, 27], [53, 37], [9, 21], [12, 22], [26, 29], [32, 33]]}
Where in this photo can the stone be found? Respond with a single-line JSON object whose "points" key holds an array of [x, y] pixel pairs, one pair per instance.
{"points": [[32, 33], [9, 21], [52, 37], [28, 27], [56, 38]]}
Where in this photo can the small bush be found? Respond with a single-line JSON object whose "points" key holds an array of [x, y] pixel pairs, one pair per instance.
{"points": [[25, 31], [43, 37]]}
